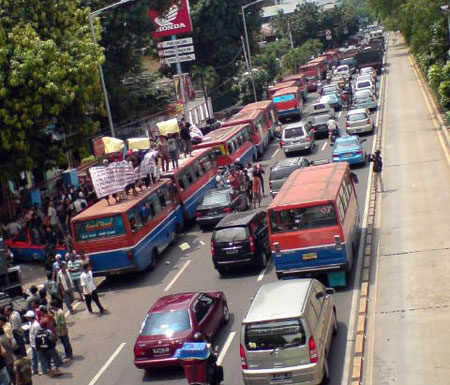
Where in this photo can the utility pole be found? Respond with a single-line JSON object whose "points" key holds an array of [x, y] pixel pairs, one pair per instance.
{"points": [[290, 33]]}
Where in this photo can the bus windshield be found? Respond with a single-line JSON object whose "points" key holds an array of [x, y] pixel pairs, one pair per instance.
{"points": [[303, 218], [283, 98], [99, 228]]}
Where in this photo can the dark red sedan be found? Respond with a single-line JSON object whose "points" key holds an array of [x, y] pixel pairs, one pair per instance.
{"points": [[173, 320]]}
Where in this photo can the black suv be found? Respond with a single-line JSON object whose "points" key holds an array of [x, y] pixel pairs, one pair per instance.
{"points": [[241, 239]]}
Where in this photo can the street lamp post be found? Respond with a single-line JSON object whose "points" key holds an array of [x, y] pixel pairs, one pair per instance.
{"points": [[244, 7], [100, 69]]}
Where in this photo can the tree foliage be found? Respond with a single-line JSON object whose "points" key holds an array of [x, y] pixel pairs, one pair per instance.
{"points": [[48, 74], [245, 87], [207, 77]]}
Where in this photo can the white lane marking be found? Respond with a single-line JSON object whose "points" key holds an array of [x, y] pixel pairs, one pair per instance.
{"points": [[324, 145], [107, 363], [74, 307], [202, 243], [261, 275], [275, 153], [177, 275], [225, 348]]}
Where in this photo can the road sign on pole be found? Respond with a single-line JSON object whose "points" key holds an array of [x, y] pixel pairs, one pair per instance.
{"points": [[173, 51], [175, 43], [177, 59]]}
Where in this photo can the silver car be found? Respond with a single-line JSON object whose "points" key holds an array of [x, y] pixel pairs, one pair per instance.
{"points": [[287, 332], [358, 121], [297, 137]]}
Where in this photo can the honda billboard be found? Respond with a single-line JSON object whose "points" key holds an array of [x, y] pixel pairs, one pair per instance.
{"points": [[173, 21]]}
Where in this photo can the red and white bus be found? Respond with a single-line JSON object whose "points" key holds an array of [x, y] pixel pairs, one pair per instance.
{"points": [[285, 84], [322, 64], [231, 144], [314, 223], [302, 82], [260, 127], [288, 102], [269, 109]]}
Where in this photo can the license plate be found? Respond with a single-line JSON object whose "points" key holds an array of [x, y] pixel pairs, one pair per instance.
{"points": [[281, 377], [232, 251], [161, 350], [347, 155], [307, 256]]}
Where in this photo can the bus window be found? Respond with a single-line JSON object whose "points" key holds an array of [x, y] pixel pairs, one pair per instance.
{"points": [[303, 218], [230, 147], [189, 176], [197, 170], [182, 182], [134, 217], [341, 210]]}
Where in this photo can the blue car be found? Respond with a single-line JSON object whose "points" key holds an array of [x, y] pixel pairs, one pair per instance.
{"points": [[349, 149], [333, 100]]}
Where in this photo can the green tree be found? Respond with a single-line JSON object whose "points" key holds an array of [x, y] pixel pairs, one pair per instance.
{"points": [[48, 74], [301, 55], [270, 56], [207, 77], [245, 87]]}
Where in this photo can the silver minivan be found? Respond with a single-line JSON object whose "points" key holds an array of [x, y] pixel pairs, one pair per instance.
{"points": [[287, 332], [297, 137]]}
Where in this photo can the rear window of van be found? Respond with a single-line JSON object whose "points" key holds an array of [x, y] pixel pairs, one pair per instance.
{"points": [[270, 335]]}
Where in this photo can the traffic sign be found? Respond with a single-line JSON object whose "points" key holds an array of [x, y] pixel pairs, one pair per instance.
{"points": [[181, 58], [174, 43], [173, 51]]}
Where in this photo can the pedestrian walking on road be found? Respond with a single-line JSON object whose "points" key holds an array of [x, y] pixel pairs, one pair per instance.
{"points": [[62, 331], [16, 325], [256, 189], [74, 267], [22, 368], [90, 290], [377, 168], [65, 286], [34, 328]]}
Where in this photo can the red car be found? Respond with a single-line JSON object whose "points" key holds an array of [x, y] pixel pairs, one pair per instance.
{"points": [[173, 320]]}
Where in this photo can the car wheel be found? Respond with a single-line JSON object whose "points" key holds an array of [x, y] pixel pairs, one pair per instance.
{"points": [[263, 259], [326, 374], [335, 322], [221, 270], [226, 313]]}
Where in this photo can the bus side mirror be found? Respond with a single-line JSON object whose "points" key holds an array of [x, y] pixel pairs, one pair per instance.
{"points": [[276, 246], [337, 242]]}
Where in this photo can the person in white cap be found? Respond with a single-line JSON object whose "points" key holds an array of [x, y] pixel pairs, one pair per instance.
{"points": [[57, 265], [34, 328]]}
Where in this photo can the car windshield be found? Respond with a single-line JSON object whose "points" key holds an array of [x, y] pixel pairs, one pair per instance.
{"points": [[230, 234], [346, 145], [364, 84], [166, 323], [355, 117], [216, 198], [282, 173], [293, 132], [270, 335], [302, 218], [342, 69]]}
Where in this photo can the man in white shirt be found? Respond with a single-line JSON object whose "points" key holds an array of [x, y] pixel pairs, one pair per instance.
{"points": [[80, 203], [52, 216], [89, 289], [34, 328]]}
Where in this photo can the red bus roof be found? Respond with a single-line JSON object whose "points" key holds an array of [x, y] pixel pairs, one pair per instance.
{"points": [[318, 60], [257, 106], [102, 209], [310, 185], [287, 90], [290, 83], [219, 136], [242, 117], [294, 77]]}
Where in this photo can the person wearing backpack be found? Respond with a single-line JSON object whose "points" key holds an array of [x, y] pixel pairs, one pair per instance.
{"points": [[45, 345]]}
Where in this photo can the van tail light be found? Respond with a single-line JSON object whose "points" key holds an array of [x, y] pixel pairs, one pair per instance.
{"points": [[270, 185], [227, 210], [243, 359], [130, 256], [138, 351], [213, 253], [198, 214], [282, 144], [252, 244], [368, 121], [358, 152], [308, 139], [312, 350], [347, 124]]}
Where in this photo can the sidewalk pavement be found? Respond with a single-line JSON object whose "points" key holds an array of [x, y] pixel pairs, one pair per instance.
{"points": [[411, 309]]}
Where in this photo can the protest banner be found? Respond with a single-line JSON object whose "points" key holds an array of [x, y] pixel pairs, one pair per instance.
{"points": [[112, 178]]}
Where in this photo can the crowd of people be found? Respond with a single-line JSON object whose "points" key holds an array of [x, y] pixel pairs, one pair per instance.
{"points": [[249, 180]]}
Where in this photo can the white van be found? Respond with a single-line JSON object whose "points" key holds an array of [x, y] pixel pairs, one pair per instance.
{"points": [[287, 332]]}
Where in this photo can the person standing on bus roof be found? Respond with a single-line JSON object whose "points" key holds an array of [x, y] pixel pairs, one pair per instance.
{"points": [[173, 151], [186, 136], [163, 150]]}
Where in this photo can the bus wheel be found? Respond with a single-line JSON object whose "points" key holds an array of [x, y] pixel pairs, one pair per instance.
{"points": [[154, 257], [280, 275]]}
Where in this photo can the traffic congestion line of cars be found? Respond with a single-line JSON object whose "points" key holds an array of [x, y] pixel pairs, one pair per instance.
{"points": [[287, 331]]}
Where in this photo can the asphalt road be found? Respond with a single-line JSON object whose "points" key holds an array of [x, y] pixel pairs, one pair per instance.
{"points": [[103, 346]]}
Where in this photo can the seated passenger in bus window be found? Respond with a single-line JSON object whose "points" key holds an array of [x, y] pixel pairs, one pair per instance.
{"points": [[133, 224], [145, 213], [181, 183]]}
